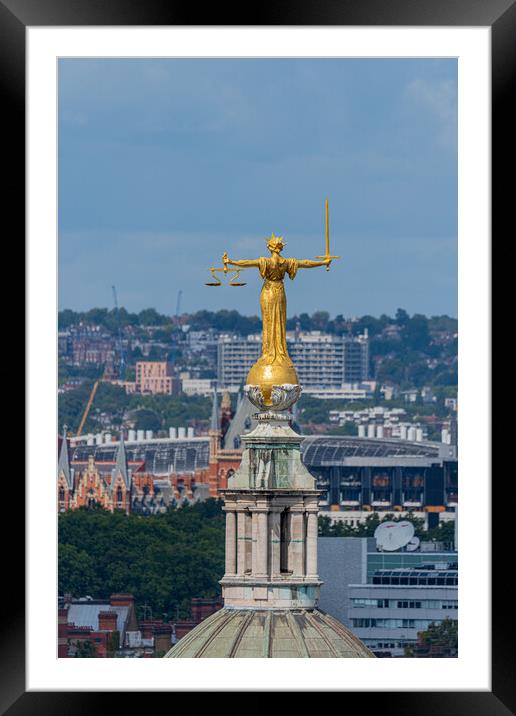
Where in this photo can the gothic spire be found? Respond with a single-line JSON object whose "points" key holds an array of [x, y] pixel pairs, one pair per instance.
{"points": [[121, 462], [64, 463], [214, 422]]}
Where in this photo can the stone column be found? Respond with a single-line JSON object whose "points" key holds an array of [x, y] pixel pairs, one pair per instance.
{"points": [[260, 540], [231, 552], [297, 542], [262, 543], [311, 543], [254, 562], [274, 542], [241, 548]]}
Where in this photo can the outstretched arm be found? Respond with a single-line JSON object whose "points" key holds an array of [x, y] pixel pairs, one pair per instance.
{"points": [[306, 263], [249, 263]]}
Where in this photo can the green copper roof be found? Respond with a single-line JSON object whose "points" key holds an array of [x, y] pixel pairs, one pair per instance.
{"points": [[237, 633]]}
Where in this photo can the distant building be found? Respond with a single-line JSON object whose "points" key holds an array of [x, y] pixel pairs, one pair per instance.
{"points": [[64, 344], [201, 608], [85, 484], [86, 344], [386, 598], [356, 358], [322, 360], [235, 357], [345, 391], [101, 625], [197, 386], [153, 378], [357, 475]]}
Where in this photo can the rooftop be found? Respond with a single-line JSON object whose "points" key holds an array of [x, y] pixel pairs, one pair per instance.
{"points": [[258, 633]]}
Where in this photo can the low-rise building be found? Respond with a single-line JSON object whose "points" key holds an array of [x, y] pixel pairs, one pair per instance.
{"points": [[94, 627], [197, 386], [387, 598]]}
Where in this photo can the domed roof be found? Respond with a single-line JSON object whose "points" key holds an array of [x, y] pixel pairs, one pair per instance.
{"points": [[256, 633]]}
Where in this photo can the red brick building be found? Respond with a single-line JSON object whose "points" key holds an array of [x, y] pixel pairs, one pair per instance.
{"points": [[106, 484], [95, 628], [105, 476]]}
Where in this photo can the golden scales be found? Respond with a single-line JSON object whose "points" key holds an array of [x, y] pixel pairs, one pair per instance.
{"points": [[225, 270]]}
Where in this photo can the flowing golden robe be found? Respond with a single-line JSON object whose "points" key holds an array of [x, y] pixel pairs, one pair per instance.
{"points": [[274, 365]]}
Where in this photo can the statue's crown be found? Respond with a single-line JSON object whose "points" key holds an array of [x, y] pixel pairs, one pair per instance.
{"points": [[278, 240]]}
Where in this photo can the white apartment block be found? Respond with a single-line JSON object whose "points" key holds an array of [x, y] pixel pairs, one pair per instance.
{"points": [[321, 360]]}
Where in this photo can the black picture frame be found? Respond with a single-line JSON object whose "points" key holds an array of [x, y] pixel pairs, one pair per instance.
{"points": [[15, 17]]}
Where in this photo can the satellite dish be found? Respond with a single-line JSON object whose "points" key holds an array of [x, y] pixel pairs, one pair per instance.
{"points": [[391, 536], [412, 544]]}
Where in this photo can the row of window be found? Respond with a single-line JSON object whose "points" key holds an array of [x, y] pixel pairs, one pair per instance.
{"points": [[404, 603], [422, 624], [416, 578]]}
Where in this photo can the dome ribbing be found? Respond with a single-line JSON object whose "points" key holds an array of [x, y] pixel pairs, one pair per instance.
{"points": [[269, 633]]}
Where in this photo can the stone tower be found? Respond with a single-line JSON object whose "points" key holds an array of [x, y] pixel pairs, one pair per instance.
{"points": [[271, 507], [271, 586]]}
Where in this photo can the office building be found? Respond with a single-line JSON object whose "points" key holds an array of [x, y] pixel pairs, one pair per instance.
{"points": [[386, 598]]}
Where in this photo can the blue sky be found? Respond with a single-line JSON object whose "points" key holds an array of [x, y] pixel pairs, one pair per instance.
{"points": [[164, 164]]}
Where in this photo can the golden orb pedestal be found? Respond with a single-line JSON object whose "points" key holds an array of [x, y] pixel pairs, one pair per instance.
{"points": [[268, 375]]}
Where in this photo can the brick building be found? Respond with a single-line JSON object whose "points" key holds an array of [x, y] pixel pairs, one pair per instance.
{"points": [[154, 378], [95, 628], [107, 484]]}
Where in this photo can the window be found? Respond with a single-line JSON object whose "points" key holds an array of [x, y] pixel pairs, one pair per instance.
{"points": [[409, 605], [284, 540]]}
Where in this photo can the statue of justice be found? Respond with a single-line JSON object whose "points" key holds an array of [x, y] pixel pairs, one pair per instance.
{"points": [[274, 367]]}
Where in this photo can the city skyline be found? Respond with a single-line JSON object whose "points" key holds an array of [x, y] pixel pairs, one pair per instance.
{"points": [[164, 164]]}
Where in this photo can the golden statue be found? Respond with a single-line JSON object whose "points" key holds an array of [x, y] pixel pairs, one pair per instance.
{"points": [[274, 367]]}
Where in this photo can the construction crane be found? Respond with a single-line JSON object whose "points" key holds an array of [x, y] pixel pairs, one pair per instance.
{"points": [[176, 330], [120, 347], [87, 408], [178, 305], [121, 366]]}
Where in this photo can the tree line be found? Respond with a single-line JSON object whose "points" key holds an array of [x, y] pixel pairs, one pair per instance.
{"points": [[415, 330], [163, 560], [146, 412]]}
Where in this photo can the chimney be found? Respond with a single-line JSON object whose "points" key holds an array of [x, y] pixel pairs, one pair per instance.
{"points": [[107, 621], [121, 600]]}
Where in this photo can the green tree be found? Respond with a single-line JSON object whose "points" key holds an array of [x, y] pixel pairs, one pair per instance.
{"points": [[77, 571], [164, 560], [147, 420], [85, 649], [113, 643], [415, 333], [443, 635], [402, 317]]}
